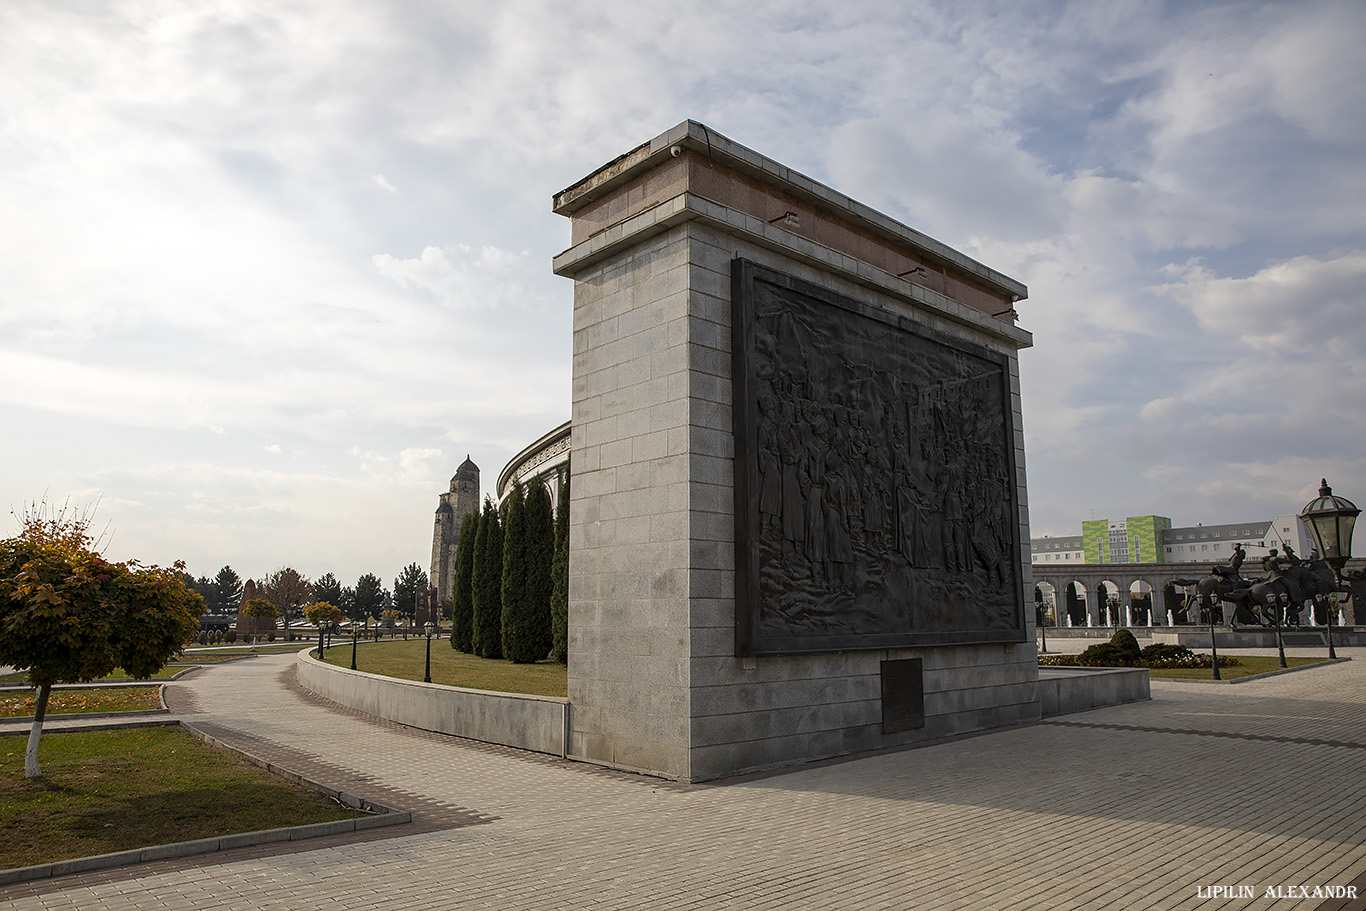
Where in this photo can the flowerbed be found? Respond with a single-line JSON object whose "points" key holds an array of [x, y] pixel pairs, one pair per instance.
{"points": [[1122, 651]]}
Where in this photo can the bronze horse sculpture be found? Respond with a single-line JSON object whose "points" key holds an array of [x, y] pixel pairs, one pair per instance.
{"points": [[1256, 600]]}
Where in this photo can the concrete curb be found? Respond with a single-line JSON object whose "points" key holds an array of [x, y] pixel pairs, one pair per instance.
{"points": [[381, 816], [115, 722], [134, 713]]}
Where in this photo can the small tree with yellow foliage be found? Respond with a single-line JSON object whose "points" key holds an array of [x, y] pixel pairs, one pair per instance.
{"points": [[67, 615]]}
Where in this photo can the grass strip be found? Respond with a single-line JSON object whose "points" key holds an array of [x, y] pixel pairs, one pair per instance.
{"points": [[164, 673], [104, 791], [1248, 666], [213, 656], [407, 661], [74, 702]]}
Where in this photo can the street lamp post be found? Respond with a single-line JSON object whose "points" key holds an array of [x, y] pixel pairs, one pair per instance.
{"points": [[353, 644], [1331, 521], [428, 628], [1213, 644], [1278, 603]]}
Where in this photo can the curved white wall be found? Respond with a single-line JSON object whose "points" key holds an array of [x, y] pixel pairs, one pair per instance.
{"points": [[527, 722]]}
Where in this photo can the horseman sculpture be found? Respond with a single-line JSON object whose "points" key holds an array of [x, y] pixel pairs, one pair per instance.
{"points": [[1288, 582]]}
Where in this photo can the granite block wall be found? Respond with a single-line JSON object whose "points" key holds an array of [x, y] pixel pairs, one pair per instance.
{"points": [[654, 679]]}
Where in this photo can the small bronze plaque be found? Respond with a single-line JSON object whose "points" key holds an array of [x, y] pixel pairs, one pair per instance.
{"points": [[903, 695]]}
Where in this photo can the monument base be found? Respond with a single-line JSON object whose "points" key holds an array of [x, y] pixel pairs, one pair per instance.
{"points": [[675, 670]]}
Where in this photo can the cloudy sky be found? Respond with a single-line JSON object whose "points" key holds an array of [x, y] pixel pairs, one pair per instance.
{"points": [[271, 270]]}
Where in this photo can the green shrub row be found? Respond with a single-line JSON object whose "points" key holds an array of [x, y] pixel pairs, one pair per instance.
{"points": [[1122, 651]]}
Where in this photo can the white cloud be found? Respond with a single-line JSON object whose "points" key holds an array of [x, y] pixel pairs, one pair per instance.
{"points": [[1303, 306], [462, 277], [207, 254]]}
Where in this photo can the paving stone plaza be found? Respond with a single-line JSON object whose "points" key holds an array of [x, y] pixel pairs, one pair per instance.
{"points": [[1253, 786]]}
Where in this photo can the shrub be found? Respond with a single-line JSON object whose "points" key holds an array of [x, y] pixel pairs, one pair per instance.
{"points": [[1191, 660], [1163, 652], [1107, 654], [232, 635], [1126, 643]]}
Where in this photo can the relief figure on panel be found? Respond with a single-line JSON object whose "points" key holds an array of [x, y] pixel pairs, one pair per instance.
{"points": [[882, 462]]}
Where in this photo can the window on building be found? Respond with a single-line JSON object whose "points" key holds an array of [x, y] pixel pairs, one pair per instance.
{"points": [[1204, 547]]}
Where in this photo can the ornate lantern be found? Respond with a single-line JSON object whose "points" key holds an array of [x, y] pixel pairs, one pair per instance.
{"points": [[1331, 521]]}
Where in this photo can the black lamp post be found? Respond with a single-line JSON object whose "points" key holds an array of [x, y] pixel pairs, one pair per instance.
{"points": [[1331, 521], [1043, 627], [428, 628], [354, 633], [1278, 604], [1213, 644]]}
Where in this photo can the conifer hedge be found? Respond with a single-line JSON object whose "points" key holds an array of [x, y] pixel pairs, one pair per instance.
{"points": [[462, 611], [519, 614], [559, 571], [487, 582], [539, 554]]}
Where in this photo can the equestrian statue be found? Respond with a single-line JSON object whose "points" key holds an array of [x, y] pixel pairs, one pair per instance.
{"points": [[1287, 583]]}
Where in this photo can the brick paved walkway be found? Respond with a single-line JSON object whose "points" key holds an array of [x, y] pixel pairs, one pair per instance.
{"points": [[1261, 784]]}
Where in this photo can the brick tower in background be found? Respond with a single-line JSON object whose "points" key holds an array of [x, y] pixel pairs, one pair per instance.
{"points": [[461, 500]]}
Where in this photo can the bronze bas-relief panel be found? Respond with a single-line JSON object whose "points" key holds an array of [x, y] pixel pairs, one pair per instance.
{"points": [[875, 490]]}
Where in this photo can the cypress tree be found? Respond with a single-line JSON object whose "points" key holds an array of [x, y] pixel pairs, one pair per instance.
{"points": [[462, 613], [487, 578], [559, 571], [519, 631], [540, 554]]}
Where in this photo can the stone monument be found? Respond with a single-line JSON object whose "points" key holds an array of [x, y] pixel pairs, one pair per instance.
{"points": [[452, 507], [798, 520]]}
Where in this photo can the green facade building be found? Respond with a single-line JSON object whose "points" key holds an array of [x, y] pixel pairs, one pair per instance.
{"points": [[1095, 540], [1137, 540], [1145, 538]]}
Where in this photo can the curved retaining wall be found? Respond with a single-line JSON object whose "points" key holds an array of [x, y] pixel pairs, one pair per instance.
{"points": [[527, 722]]}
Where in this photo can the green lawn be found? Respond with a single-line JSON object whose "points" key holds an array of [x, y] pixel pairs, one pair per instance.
{"points": [[190, 658], [226, 653], [171, 671], [1248, 665], [406, 661], [106, 791], [71, 702]]}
